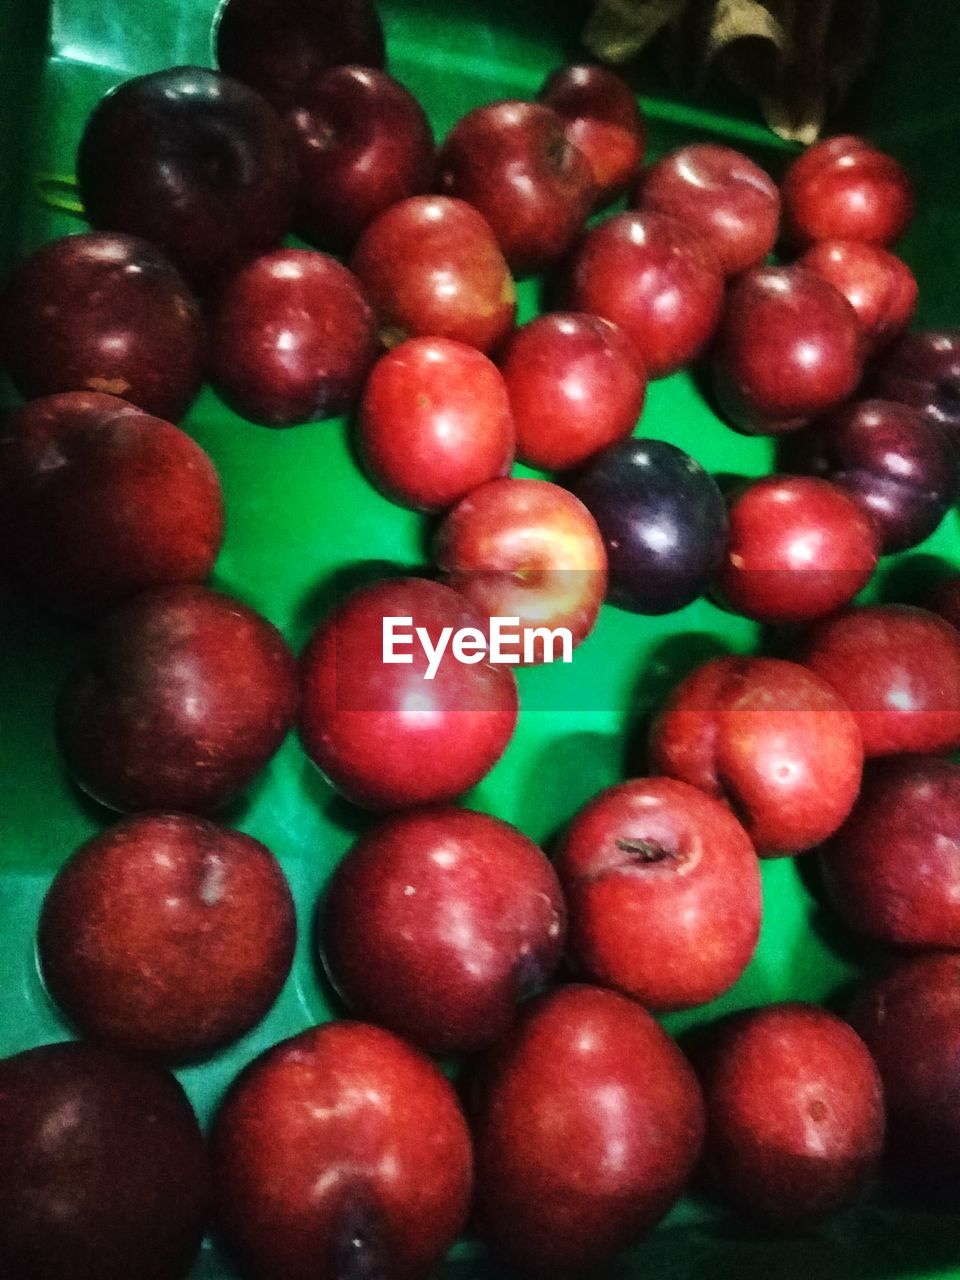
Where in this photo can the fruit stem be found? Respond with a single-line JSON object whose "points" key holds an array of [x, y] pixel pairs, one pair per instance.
{"points": [[644, 850]]}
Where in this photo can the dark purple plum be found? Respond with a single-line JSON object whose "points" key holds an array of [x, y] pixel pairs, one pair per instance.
{"points": [[663, 522], [281, 46], [182, 698], [103, 312], [193, 161], [923, 370], [103, 1171], [896, 463]]}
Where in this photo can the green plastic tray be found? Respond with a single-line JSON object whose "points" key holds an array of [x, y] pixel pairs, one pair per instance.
{"points": [[298, 511]]}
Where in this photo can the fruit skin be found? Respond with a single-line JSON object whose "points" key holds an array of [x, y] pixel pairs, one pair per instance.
{"points": [[898, 466], [795, 1114], [879, 286], [898, 669], [432, 268], [341, 1152], [103, 312], [602, 120], [103, 1171], [384, 736], [556, 1190], [663, 887], [392, 951], [167, 936], [720, 193], [663, 521], [574, 387], [782, 749], [799, 547], [922, 369], [131, 503], [656, 279], [890, 871], [363, 143], [526, 549], [789, 347], [845, 189], [194, 162], [434, 423], [180, 701], [909, 1018], [293, 338], [513, 162], [281, 47]]}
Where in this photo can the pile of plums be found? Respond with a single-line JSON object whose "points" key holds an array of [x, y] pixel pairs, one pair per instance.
{"points": [[344, 1151]]}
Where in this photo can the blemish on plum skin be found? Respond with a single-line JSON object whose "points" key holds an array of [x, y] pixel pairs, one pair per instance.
{"points": [[109, 386]]}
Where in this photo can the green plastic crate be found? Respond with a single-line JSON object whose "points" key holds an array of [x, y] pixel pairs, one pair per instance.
{"points": [[298, 511]]}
